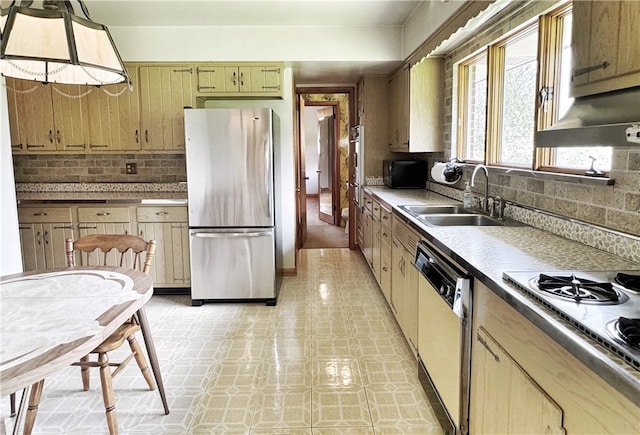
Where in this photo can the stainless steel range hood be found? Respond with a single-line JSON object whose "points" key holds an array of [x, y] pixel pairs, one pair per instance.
{"points": [[597, 120]]}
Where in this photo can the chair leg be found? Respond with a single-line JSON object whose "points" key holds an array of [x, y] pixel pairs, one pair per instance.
{"points": [[12, 404], [32, 409], [84, 373], [153, 357], [107, 393], [141, 360]]}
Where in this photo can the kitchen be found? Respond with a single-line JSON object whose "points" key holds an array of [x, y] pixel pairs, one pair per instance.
{"points": [[625, 174]]}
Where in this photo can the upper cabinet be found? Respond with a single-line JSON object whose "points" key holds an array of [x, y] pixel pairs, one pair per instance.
{"points": [[43, 118], [398, 110], [114, 117], [148, 116], [415, 107], [215, 80], [606, 46], [164, 92], [426, 106]]}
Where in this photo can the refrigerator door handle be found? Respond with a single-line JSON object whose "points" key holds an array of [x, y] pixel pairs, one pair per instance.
{"points": [[230, 235]]}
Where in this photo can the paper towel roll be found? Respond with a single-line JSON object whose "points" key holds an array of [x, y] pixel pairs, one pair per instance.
{"points": [[438, 173]]}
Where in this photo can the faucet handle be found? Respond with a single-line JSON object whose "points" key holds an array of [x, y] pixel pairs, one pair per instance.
{"points": [[499, 204]]}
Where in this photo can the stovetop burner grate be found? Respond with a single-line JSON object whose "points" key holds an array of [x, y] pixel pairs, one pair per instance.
{"points": [[578, 289], [629, 331]]}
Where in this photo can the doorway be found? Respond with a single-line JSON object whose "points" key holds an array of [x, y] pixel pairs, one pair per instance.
{"points": [[323, 161]]}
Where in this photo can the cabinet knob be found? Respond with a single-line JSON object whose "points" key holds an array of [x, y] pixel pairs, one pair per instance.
{"points": [[105, 213]]}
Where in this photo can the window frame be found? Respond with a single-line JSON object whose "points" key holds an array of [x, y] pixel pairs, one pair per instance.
{"points": [[550, 29]]}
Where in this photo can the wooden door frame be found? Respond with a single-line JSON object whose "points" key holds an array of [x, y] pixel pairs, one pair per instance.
{"points": [[351, 92]]}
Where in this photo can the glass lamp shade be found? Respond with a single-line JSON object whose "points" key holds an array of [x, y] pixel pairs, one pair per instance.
{"points": [[56, 46]]}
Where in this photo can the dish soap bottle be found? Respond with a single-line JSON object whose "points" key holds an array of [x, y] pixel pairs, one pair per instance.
{"points": [[467, 197]]}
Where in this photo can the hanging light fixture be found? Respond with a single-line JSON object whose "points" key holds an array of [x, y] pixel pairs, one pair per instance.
{"points": [[53, 45]]}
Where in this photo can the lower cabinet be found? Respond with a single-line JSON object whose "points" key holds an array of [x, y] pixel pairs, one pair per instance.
{"points": [[43, 232], [169, 228], [404, 277], [506, 399], [524, 382]]}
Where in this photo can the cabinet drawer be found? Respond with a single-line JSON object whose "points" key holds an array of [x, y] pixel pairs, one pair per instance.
{"points": [[408, 237], [161, 214], [103, 214], [368, 202], [385, 235], [43, 214]]}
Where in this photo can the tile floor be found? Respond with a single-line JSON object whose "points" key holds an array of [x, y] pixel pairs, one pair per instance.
{"points": [[328, 359]]}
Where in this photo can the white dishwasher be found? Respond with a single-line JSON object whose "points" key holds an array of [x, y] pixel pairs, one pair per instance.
{"points": [[444, 335]]}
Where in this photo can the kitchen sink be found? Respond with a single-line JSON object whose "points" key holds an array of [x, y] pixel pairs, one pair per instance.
{"points": [[449, 215], [417, 210], [447, 220]]}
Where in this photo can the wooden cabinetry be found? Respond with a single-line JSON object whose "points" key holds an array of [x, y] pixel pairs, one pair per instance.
{"points": [[375, 236], [164, 92], [404, 286], [398, 110], [114, 116], [385, 252], [367, 229], [239, 80], [44, 118], [103, 220], [426, 106], [515, 368], [373, 101], [43, 232], [169, 228], [605, 31], [508, 400]]}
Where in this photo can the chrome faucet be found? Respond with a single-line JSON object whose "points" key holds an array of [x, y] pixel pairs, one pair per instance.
{"points": [[485, 201]]}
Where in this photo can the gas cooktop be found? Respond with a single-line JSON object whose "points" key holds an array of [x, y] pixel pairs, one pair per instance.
{"points": [[604, 305]]}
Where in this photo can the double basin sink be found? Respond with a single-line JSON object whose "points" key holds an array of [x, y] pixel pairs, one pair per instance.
{"points": [[450, 215]]}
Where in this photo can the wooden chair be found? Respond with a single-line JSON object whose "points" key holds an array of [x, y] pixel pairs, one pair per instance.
{"points": [[122, 251], [126, 251]]}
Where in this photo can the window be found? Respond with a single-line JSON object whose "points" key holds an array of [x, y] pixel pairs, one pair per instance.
{"points": [[513, 74], [514, 86], [473, 102]]}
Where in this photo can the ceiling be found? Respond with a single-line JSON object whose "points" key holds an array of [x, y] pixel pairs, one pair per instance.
{"points": [[251, 13], [270, 13]]}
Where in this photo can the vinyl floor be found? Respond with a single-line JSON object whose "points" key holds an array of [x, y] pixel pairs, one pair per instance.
{"points": [[329, 358]]}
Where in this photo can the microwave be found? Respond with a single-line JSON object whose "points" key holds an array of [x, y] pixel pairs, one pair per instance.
{"points": [[405, 174]]}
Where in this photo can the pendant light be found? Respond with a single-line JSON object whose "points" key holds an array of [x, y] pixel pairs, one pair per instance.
{"points": [[50, 44]]}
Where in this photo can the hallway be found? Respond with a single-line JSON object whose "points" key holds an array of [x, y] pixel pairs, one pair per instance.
{"points": [[329, 358], [321, 234]]}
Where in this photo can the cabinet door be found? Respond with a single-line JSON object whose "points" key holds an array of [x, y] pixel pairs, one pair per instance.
{"points": [[31, 115], [399, 111], [164, 92], [425, 102], [398, 271], [31, 240], [385, 262], [260, 79], [55, 236], [114, 116], [70, 116], [170, 265], [375, 248], [409, 316], [504, 398], [605, 31]]}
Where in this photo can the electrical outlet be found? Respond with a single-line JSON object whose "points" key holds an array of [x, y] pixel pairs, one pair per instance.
{"points": [[131, 168]]}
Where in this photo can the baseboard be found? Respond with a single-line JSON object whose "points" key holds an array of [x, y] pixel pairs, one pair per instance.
{"points": [[289, 272]]}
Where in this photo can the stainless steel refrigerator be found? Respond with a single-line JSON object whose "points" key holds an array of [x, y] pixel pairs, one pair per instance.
{"points": [[230, 184]]}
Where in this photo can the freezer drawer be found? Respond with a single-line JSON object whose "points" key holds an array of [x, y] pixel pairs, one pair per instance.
{"points": [[232, 264]]}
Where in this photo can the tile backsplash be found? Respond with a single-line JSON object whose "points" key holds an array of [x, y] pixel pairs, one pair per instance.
{"points": [[99, 168]]}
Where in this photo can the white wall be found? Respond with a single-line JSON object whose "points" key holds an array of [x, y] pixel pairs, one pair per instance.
{"points": [[311, 147], [259, 43], [10, 258], [428, 17]]}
